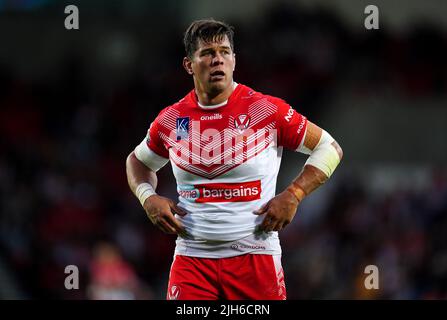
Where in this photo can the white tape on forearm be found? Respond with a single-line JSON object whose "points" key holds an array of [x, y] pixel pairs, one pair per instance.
{"points": [[324, 156], [144, 191]]}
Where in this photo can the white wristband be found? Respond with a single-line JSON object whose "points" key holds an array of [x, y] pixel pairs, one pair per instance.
{"points": [[144, 191]]}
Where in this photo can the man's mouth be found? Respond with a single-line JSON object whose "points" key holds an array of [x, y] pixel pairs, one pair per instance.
{"points": [[217, 75]]}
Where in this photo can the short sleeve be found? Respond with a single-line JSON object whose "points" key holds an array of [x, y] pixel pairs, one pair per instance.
{"points": [[152, 151], [291, 126]]}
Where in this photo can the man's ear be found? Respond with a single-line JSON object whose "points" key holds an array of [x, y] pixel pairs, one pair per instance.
{"points": [[187, 64]]}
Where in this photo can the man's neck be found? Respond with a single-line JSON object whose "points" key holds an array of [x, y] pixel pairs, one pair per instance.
{"points": [[207, 99]]}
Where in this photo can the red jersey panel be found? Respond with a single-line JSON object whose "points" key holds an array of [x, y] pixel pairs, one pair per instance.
{"points": [[210, 142]]}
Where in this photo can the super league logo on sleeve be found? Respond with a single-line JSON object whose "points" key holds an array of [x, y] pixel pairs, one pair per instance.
{"points": [[182, 128]]}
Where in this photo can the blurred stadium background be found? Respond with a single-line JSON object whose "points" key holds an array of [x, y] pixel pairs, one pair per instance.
{"points": [[73, 104]]}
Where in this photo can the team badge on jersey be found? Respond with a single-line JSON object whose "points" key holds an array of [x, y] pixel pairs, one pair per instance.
{"points": [[242, 122], [182, 128], [173, 293]]}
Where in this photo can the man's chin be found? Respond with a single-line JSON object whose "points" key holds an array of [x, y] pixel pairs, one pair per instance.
{"points": [[218, 86]]}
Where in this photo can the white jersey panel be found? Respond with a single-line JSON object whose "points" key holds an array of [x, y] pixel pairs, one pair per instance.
{"points": [[228, 215]]}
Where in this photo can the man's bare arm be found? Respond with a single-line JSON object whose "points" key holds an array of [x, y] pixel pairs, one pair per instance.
{"points": [[280, 210], [138, 173], [159, 209], [311, 177]]}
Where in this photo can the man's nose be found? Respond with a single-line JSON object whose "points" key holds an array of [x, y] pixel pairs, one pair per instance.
{"points": [[217, 59]]}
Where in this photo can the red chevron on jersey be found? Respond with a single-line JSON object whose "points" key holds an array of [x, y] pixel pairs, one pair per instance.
{"points": [[210, 142]]}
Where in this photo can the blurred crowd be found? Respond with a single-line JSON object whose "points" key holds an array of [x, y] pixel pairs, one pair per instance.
{"points": [[64, 198], [401, 232]]}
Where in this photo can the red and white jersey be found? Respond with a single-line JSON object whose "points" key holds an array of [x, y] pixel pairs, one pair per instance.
{"points": [[225, 159]]}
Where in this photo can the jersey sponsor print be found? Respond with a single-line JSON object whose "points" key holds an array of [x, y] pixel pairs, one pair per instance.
{"points": [[221, 192]]}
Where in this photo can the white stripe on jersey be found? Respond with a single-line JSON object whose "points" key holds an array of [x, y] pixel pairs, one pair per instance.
{"points": [[268, 244]]}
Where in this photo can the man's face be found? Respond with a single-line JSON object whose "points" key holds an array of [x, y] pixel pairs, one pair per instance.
{"points": [[212, 66]]}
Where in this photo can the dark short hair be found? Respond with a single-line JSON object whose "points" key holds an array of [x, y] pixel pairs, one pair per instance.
{"points": [[208, 30]]}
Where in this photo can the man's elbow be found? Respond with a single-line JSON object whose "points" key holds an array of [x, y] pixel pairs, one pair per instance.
{"points": [[129, 157], [338, 149]]}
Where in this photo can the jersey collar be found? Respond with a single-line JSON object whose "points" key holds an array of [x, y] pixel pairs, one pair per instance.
{"points": [[215, 106]]}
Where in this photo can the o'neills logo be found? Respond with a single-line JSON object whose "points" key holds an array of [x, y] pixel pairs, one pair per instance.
{"points": [[222, 192], [215, 116]]}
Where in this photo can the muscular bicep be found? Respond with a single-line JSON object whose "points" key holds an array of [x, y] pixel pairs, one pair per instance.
{"points": [[312, 139], [312, 136]]}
